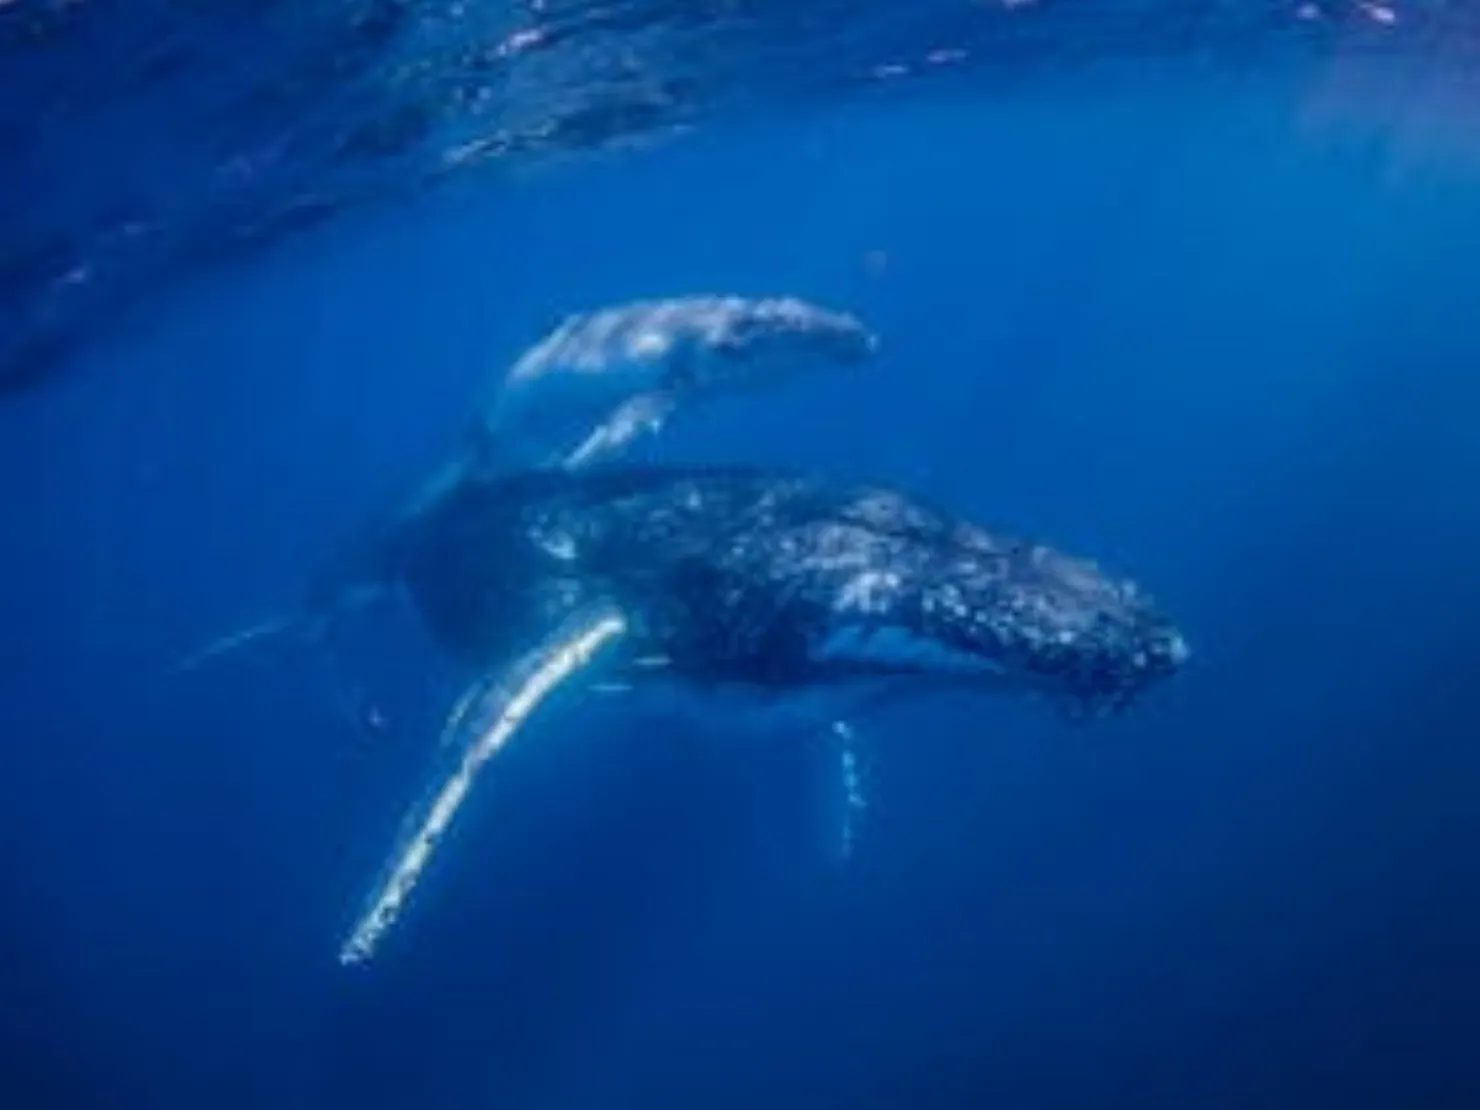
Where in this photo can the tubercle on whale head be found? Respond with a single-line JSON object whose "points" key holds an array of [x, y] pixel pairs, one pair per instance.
{"points": [[1149, 650], [1060, 626], [1177, 650], [1118, 681]]}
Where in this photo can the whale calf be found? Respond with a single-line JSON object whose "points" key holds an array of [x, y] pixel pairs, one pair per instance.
{"points": [[724, 578], [601, 379]]}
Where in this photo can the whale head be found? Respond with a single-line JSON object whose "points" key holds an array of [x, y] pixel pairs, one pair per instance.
{"points": [[956, 601], [781, 335], [1054, 624]]}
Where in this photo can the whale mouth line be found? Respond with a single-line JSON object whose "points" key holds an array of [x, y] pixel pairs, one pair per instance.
{"points": [[896, 647]]}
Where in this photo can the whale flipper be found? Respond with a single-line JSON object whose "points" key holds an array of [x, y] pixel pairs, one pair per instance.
{"points": [[484, 719], [235, 641], [644, 414]]}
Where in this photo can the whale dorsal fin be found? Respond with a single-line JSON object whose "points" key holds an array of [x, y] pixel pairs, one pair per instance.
{"points": [[486, 717]]}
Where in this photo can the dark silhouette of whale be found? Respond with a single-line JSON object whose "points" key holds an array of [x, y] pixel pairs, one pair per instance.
{"points": [[749, 577], [727, 577]]}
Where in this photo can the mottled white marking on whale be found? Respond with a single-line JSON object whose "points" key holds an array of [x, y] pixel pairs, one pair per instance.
{"points": [[482, 723]]}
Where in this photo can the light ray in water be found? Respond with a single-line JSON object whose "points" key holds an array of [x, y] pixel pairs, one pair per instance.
{"points": [[490, 716]]}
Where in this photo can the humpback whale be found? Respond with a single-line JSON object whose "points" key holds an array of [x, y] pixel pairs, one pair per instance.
{"points": [[601, 379], [555, 580]]}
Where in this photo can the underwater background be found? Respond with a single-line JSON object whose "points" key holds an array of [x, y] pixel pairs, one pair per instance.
{"points": [[1190, 289]]}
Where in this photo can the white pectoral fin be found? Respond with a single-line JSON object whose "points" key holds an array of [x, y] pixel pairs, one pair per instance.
{"points": [[483, 721], [644, 414]]}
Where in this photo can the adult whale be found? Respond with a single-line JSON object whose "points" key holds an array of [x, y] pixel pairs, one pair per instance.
{"points": [[734, 578]]}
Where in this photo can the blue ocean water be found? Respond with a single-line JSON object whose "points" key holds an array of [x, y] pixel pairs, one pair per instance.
{"points": [[1211, 325]]}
